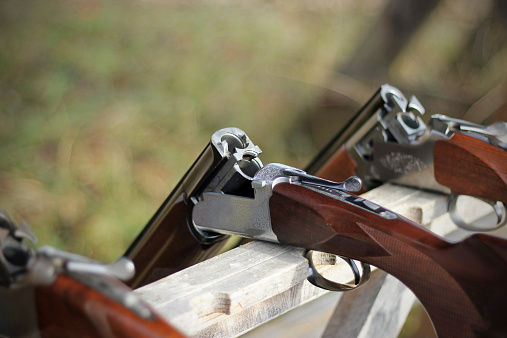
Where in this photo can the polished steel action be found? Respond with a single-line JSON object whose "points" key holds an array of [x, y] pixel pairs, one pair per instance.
{"points": [[393, 144], [250, 216]]}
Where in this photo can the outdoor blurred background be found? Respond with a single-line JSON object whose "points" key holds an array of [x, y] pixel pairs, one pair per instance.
{"points": [[105, 105]]}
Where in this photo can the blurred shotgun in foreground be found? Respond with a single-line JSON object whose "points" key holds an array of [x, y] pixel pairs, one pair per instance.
{"points": [[51, 293], [387, 141]]}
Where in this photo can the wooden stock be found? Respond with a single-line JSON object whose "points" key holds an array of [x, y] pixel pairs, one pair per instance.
{"points": [[469, 166], [463, 285], [69, 308], [171, 247]]}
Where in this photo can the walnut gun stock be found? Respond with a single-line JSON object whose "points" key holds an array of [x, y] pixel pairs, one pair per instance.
{"points": [[479, 162], [389, 142], [52, 293], [462, 285], [170, 242], [70, 307]]}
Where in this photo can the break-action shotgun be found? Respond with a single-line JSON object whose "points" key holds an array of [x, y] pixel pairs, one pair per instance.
{"points": [[387, 141], [462, 285], [170, 242], [52, 293], [229, 192]]}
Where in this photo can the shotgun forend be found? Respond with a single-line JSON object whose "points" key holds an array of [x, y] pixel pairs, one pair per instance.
{"points": [[389, 142]]}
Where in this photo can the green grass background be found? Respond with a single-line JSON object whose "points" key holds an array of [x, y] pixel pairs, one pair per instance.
{"points": [[105, 105]]}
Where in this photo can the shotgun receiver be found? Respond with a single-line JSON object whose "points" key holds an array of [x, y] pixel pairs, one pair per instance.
{"points": [[389, 142], [170, 242], [51, 293], [462, 285]]}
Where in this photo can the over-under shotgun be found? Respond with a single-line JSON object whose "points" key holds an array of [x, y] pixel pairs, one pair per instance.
{"points": [[170, 242], [51, 293], [388, 141], [463, 285]]}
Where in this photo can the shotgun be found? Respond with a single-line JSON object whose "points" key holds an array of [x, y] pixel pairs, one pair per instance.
{"points": [[462, 285], [388, 141], [170, 242], [52, 293]]}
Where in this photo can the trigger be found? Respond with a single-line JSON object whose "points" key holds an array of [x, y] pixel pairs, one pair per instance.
{"points": [[499, 210], [354, 268], [320, 281]]}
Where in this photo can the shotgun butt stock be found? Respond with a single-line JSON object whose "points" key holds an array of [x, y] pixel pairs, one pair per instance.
{"points": [[461, 285], [469, 166]]}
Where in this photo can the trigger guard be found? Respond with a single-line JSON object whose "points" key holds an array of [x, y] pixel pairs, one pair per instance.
{"points": [[318, 280], [498, 207]]}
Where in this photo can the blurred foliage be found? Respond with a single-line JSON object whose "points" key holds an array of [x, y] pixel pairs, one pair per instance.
{"points": [[104, 105]]}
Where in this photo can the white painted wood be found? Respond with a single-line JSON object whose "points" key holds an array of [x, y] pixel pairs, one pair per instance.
{"points": [[233, 293]]}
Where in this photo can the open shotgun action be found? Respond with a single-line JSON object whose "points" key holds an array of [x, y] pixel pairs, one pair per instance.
{"points": [[388, 141], [228, 191], [169, 242], [461, 285]]}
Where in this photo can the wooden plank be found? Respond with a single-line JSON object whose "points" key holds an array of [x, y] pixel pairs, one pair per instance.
{"points": [[228, 294], [233, 293]]}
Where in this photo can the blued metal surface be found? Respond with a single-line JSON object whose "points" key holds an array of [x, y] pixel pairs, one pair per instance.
{"points": [[170, 242], [355, 125]]}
